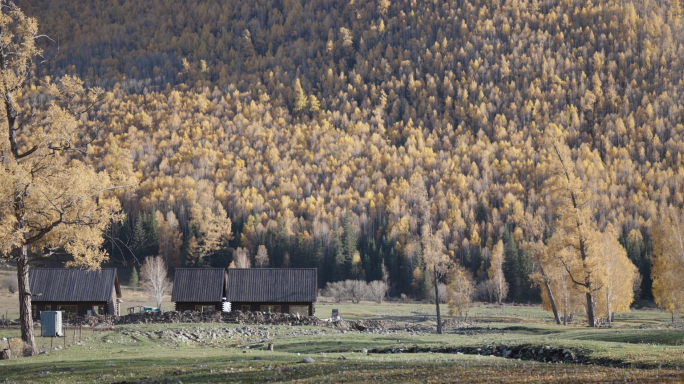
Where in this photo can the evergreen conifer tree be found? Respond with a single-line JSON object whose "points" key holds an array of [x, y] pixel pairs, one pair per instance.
{"points": [[426, 285], [511, 267], [140, 237], [349, 241], [339, 271], [134, 279], [152, 234]]}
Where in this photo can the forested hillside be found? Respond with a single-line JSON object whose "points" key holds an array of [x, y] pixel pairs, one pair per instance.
{"points": [[310, 122]]}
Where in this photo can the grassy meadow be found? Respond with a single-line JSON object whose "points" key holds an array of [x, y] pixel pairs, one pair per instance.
{"points": [[641, 346]]}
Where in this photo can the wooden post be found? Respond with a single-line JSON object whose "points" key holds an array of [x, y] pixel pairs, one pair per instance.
{"points": [[270, 347], [73, 340]]}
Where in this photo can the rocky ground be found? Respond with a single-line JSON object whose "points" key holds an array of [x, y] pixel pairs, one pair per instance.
{"points": [[258, 318]]}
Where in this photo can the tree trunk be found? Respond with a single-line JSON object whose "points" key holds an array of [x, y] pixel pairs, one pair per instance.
{"points": [[25, 315], [591, 319], [548, 291], [439, 317], [672, 317]]}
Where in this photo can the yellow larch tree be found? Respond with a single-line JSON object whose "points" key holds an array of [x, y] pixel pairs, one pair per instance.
{"points": [[459, 292], [170, 241], [533, 228], [52, 200], [576, 228], [615, 277], [213, 228], [668, 261], [436, 261]]}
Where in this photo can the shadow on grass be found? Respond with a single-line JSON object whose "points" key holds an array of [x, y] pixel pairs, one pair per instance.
{"points": [[657, 337]]}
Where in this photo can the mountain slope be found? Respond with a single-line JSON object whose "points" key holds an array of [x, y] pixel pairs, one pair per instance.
{"points": [[457, 92]]}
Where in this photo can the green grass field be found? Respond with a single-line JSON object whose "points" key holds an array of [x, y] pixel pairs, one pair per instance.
{"points": [[135, 353]]}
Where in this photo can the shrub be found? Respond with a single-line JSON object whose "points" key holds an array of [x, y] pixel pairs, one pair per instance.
{"points": [[377, 290], [11, 284]]}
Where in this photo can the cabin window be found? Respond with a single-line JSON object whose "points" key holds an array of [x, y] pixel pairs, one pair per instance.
{"points": [[48, 307], [270, 308], [246, 308], [204, 308], [301, 310], [34, 310], [98, 310], [69, 310]]}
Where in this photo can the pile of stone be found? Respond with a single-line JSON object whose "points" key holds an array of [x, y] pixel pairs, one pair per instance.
{"points": [[454, 324], [377, 326], [253, 318], [202, 336], [247, 318]]}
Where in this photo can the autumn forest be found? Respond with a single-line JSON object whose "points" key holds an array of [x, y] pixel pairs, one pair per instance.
{"points": [[331, 133]]}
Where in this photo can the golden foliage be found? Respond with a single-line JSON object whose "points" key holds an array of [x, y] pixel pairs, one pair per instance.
{"points": [[213, 228], [668, 260], [615, 277], [460, 289]]}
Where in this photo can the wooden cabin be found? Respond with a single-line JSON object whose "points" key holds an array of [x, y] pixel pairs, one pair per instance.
{"points": [[199, 289], [281, 290], [75, 291]]}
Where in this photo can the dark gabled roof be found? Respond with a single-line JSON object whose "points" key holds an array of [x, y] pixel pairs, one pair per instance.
{"points": [[199, 285], [66, 284], [276, 285]]}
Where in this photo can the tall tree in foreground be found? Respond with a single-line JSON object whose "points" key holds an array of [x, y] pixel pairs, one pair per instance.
{"points": [[51, 200], [154, 279], [576, 226], [436, 261], [668, 261]]}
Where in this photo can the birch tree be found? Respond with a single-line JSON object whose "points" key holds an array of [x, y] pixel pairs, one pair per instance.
{"points": [[154, 279], [52, 200], [240, 259], [262, 257], [495, 272]]}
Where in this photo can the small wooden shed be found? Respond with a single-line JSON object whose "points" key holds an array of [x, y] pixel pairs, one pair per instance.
{"points": [[199, 289], [281, 290], [75, 291]]}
